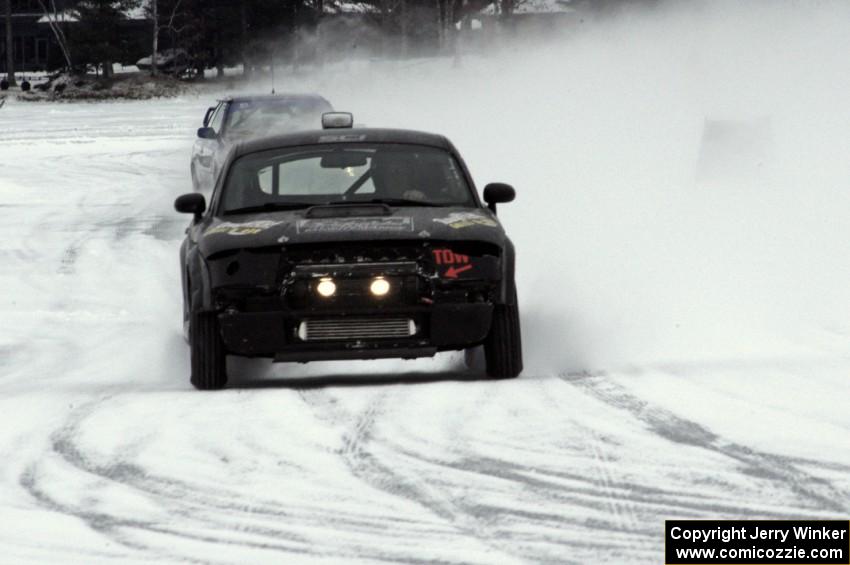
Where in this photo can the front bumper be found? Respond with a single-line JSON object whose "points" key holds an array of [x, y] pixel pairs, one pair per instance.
{"points": [[444, 292], [439, 327]]}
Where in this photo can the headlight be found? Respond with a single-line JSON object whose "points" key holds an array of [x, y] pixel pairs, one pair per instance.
{"points": [[379, 287], [326, 288]]}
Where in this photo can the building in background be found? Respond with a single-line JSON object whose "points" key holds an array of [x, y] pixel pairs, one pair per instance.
{"points": [[31, 41], [34, 44]]}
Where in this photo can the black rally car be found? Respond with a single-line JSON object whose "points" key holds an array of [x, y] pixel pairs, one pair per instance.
{"points": [[347, 243]]}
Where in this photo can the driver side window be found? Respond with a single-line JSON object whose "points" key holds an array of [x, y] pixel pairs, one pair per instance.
{"points": [[217, 119]]}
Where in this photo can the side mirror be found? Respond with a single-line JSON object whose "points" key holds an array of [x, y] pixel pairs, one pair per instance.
{"points": [[208, 115], [498, 193], [193, 203], [207, 133]]}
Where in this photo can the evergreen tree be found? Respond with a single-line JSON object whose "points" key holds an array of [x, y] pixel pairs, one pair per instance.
{"points": [[98, 39], [10, 59]]}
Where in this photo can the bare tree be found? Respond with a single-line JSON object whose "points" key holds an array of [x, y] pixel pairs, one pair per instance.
{"points": [[155, 51], [441, 32], [449, 34], [10, 57], [388, 17], [320, 44], [404, 28], [247, 65], [446, 24], [52, 15], [170, 26]]}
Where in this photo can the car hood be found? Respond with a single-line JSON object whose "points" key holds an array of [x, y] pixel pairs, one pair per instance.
{"points": [[402, 223]]}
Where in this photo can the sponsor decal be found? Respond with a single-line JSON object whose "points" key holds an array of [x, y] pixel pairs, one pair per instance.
{"points": [[459, 220], [448, 257], [341, 138], [247, 228], [336, 225]]}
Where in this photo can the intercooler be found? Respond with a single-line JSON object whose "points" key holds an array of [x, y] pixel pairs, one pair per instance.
{"points": [[344, 329]]}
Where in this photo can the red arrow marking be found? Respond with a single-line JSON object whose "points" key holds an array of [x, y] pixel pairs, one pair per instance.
{"points": [[452, 273]]}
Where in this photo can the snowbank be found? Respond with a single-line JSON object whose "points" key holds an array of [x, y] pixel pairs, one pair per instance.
{"points": [[137, 86]]}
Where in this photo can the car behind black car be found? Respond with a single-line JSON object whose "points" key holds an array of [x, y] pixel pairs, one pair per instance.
{"points": [[347, 244], [236, 119]]}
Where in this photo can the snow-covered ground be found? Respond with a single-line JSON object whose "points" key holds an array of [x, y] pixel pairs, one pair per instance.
{"points": [[686, 334]]}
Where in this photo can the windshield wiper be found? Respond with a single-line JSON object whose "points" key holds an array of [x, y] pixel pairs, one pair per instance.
{"points": [[392, 202], [270, 207]]}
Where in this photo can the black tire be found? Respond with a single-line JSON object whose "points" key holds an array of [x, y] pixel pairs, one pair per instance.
{"points": [[207, 352], [503, 346]]}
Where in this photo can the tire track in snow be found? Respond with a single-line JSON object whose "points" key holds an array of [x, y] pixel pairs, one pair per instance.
{"points": [[607, 480], [191, 503], [383, 463], [32, 481], [540, 498], [49, 248], [585, 491], [190, 507], [818, 494], [616, 488], [622, 506], [361, 450]]}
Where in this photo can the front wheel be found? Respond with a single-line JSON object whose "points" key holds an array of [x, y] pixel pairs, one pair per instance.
{"points": [[503, 346], [207, 352]]}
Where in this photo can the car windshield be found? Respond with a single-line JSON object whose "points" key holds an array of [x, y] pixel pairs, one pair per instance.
{"points": [[274, 115], [395, 174]]}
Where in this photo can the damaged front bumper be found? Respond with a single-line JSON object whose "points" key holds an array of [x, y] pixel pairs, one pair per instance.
{"points": [[433, 300]]}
